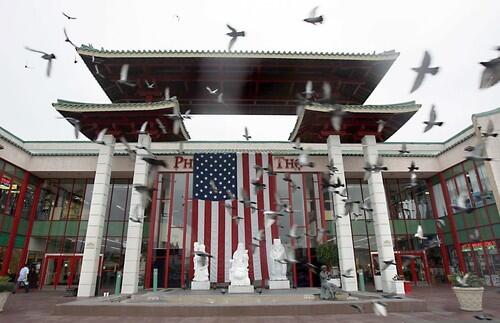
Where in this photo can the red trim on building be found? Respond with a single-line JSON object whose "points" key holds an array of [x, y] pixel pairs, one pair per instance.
{"points": [[169, 223], [272, 198], [306, 221], [442, 246], [17, 218], [451, 220], [184, 229]]}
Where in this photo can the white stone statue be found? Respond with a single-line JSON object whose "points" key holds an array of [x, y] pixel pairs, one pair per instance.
{"points": [[200, 264], [238, 274], [278, 253]]}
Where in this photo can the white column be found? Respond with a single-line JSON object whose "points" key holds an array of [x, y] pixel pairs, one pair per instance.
{"points": [[492, 145], [381, 223], [97, 214], [134, 231], [343, 220]]}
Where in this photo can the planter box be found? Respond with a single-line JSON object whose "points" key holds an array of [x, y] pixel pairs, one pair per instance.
{"points": [[378, 282], [3, 299], [470, 299]]}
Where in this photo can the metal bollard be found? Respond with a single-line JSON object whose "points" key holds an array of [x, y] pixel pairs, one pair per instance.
{"points": [[118, 283], [361, 280], [155, 279]]}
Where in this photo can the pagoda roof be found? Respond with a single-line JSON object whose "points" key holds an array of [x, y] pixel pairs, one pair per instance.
{"points": [[124, 119], [253, 82], [313, 124]]}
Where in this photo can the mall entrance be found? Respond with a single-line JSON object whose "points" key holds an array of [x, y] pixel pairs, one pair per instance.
{"points": [[61, 271], [412, 265]]}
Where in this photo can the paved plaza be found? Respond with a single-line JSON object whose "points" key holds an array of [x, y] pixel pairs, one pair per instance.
{"points": [[442, 306]]}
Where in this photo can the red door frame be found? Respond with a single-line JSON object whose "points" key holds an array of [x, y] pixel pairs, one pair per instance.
{"points": [[15, 224], [59, 260], [422, 254]]}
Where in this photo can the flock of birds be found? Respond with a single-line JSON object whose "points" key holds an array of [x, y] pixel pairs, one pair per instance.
{"points": [[331, 182]]}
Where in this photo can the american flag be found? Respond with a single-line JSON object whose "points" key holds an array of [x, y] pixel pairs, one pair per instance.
{"points": [[214, 174]]}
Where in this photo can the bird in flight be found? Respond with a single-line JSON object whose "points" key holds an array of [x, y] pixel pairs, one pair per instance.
{"points": [[246, 135], [68, 16], [422, 70], [432, 120], [491, 72], [46, 56], [124, 75], [313, 19], [234, 34]]}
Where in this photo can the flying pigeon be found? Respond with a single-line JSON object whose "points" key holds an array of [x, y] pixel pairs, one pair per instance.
{"points": [[380, 126], [246, 135], [234, 34], [129, 149], [304, 159], [100, 136], [420, 233], [161, 126], [380, 309], [412, 167], [75, 123], [478, 153], [68, 40], [491, 73], [423, 70], [432, 120], [313, 19], [155, 162], [149, 85], [461, 204], [490, 130], [296, 144], [308, 93], [404, 149], [293, 232], [124, 76], [68, 16], [213, 92], [46, 56]]}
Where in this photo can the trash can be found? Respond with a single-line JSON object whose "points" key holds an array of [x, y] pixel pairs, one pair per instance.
{"points": [[407, 287]]}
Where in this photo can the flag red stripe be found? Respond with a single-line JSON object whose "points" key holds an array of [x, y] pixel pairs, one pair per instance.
{"points": [[247, 216], [234, 228], [272, 201], [260, 205], [221, 244]]}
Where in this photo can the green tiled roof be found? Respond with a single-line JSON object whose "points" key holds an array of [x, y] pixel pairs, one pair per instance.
{"points": [[403, 107], [64, 105], [89, 50]]}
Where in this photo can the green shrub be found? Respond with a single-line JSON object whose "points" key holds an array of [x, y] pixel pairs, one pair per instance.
{"points": [[328, 254], [471, 280], [5, 285]]}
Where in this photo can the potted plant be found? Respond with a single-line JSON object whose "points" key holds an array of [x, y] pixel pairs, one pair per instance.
{"points": [[6, 288], [328, 255], [469, 290], [399, 284]]}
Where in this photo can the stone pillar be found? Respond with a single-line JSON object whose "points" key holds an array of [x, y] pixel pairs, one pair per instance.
{"points": [[343, 220], [381, 223], [134, 231], [97, 214]]}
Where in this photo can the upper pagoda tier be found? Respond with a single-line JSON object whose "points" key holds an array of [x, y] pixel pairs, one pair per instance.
{"points": [[125, 119], [264, 83]]}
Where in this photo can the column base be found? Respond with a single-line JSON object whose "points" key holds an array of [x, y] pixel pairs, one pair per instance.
{"points": [[195, 285], [349, 284], [399, 287], [241, 289], [378, 282], [279, 284]]}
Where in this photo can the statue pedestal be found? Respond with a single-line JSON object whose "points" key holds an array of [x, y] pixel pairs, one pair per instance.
{"points": [[195, 285], [279, 284], [241, 289]]}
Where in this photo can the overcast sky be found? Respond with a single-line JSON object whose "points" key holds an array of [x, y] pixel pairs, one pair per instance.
{"points": [[459, 34]]}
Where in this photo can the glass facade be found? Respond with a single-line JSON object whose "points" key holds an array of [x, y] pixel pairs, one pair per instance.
{"points": [[56, 218]]}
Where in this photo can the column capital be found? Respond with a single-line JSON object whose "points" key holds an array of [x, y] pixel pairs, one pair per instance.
{"points": [[333, 140]]}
